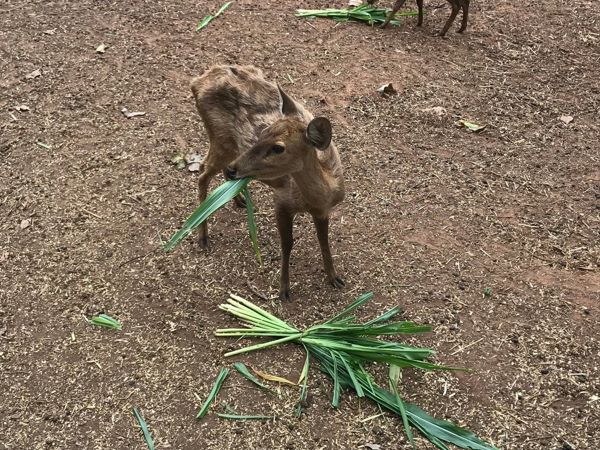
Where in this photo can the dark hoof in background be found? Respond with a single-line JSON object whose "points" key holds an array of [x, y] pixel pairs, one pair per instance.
{"points": [[284, 296], [337, 283], [240, 201]]}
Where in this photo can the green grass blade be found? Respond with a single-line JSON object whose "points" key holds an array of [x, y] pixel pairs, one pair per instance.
{"points": [[304, 380], [385, 316], [222, 8], [357, 387], [252, 348], [144, 427], [252, 225], [445, 431], [394, 378], [352, 306], [337, 389], [213, 393], [209, 18], [105, 321], [243, 417], [243, 370], [205, 21], [216, 200]]}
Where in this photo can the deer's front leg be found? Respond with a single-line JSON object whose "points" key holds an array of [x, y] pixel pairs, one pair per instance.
{"points": [[322, 226], [285, 223]]}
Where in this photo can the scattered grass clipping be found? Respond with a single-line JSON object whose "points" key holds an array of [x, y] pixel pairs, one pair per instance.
{"points": [[105, 321], [209, 18], [213, 393], [363, 13], [244, 417], [144, 427], [342, 346]]}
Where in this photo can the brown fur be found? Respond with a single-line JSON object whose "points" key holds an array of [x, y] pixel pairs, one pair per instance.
{"points": [[247, 120], [457, 5]]}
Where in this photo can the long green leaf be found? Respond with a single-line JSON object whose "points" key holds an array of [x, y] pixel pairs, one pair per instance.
{"points": [[144, 427], [388, 315], [352, 306], [335, 401], [252, 225], [394, 378], [216, 200], [304, 380], [213, 393]]}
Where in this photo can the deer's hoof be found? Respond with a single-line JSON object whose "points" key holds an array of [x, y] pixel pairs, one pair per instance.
{"points": [[284, 295], [337, 283], [203, 243]]}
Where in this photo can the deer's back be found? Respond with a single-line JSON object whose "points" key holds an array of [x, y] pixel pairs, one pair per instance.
{"points": [[236, 103]]}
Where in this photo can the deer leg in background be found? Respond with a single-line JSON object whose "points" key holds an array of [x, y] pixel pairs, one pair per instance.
{"points": [[420, 7], [455, 10], [322, 226], [394, 10], [465, 17]]}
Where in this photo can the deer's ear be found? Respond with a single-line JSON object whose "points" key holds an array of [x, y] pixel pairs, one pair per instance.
{"points": [[318, 133], [288, 107]]}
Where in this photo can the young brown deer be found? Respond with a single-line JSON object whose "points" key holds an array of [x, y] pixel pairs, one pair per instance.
{"points": [[457, 5], [256, 130]]}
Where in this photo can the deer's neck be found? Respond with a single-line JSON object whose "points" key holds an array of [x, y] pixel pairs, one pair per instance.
{"points": [[321, 188]]}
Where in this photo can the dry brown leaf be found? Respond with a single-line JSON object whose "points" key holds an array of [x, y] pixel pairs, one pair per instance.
{"points": [[269, 377], [25, 223], [101, 48]]}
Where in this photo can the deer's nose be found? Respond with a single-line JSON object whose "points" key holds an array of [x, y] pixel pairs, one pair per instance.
{"points": [[231, 173]]}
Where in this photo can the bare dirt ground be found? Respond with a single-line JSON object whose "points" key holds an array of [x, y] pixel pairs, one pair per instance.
{"points": [[434, 215]]}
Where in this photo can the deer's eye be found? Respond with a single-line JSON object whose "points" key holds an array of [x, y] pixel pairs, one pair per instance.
{"points": [[277, 149]]}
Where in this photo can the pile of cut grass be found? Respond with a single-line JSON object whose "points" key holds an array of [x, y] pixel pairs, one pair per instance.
{"points": [[363, 13], [343, 348]]}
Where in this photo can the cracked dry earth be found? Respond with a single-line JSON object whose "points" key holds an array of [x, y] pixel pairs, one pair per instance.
{"points": [[434, 215]]}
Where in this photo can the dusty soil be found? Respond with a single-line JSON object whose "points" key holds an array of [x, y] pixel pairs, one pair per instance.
{"points": [[434, 215]]}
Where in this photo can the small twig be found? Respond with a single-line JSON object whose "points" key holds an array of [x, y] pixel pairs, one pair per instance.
{"points": [[91, 213], [256, 292], [466, 347], [135, 258]]}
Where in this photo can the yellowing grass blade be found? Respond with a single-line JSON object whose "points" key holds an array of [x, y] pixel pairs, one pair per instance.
{"points": [[275, 378]]}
